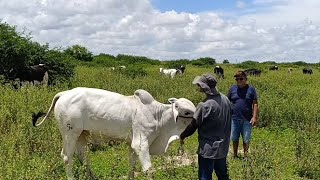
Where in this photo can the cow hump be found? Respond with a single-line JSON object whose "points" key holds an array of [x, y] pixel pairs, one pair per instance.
{"points": [[144, 96]]}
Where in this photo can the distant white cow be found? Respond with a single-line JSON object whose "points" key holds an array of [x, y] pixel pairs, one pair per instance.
{"points": [[122, 67], [146, 124], [170, 72]]}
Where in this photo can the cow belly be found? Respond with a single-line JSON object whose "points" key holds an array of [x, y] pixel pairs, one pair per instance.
{"points": [[108, 128]]}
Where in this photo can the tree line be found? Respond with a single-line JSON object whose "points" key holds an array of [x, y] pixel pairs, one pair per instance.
{"points": [[18, 52]]}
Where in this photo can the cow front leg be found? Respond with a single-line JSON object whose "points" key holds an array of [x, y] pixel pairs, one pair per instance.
{"points": [[132, 160], [140, 146]]}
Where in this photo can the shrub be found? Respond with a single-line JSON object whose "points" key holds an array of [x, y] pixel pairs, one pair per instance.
{"points": [[79, 52], [133, 72], [18, 52], [206, 61]]}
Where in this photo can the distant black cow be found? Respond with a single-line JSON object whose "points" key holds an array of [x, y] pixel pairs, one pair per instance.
{"points": [[181, 69], [218, 70], [273, 68], [252, 72], [307, 71], [37, 74]]}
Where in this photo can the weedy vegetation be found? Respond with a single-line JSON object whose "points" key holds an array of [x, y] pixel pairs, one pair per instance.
{"points": [[285, 145]]}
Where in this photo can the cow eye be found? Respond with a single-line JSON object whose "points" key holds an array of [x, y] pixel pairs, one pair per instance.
{"points": [[187, 113]]}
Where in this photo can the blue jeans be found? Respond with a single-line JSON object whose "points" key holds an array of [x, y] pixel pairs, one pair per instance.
{"points": [[206, 167], [242, 127]]}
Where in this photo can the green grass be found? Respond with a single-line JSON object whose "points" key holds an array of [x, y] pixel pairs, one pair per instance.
{"points": [[284, 146]]}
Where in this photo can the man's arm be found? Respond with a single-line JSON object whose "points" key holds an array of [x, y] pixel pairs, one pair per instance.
{"points": [[191, 128], [255, 108]]}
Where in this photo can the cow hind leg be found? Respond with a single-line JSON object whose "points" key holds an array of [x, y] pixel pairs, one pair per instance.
{"points": [[81, 151], [69, 146]]}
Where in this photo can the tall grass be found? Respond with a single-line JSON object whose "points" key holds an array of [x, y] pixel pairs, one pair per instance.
{"points": [[284, 146]]}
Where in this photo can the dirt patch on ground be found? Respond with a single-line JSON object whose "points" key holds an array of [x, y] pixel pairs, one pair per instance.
{"points": [[182, 160]]}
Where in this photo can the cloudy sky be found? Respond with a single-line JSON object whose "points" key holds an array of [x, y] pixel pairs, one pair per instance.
{"points": [[260, 30]]}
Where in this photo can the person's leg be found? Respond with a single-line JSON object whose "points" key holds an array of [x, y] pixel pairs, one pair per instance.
{"points": [[245, 149], [246, 136], [221, 169], [235, 134], [205, 168], [235, 145]]}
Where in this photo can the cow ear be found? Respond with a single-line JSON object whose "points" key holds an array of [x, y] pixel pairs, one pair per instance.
{"points": [[172, 100]]}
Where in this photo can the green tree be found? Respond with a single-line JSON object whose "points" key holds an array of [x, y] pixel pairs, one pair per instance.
{"points": [[18, 53], [105, 60], [130, 59], [15, 49], [248, 64], [226, 61], [79, 52], [300, 63], [204, 61]]}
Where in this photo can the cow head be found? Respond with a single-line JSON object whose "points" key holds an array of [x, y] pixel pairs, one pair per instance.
{"points": [[181, 113], [183, 109], [179, 71]]}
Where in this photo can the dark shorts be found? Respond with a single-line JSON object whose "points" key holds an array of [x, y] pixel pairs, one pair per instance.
{"points": [[242, 127]]}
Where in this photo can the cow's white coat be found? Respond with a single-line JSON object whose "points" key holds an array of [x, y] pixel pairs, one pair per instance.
{"points": [[169, 72], [146, 124]]}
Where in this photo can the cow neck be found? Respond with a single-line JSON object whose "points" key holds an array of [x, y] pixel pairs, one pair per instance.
{"points": [[160, 113], [157, 110]]}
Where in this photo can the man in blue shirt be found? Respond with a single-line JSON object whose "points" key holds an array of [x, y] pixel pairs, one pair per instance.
{"points": [[244, 100]]}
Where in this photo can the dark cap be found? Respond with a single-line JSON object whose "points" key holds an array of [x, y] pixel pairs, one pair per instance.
{"points": [[240, 73], [207, 82]]}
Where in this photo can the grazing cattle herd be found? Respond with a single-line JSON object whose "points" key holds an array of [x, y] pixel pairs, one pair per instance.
{"points": [[38, 74], [147, 125]]}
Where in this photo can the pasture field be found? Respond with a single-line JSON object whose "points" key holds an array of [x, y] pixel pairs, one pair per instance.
{"points": [[285, 145]]}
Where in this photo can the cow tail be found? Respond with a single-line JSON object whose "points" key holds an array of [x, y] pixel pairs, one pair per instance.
{"points": [[35, 116]]}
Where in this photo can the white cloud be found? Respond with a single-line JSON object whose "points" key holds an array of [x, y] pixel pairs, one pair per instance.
{"points": [[241, 4], [284, 30]]}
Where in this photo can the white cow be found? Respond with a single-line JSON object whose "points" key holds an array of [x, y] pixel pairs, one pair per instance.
{"points": [[146, 124], [169, 72]]}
